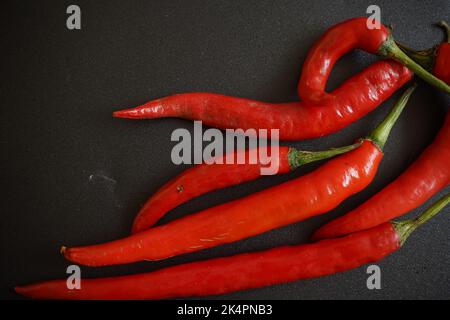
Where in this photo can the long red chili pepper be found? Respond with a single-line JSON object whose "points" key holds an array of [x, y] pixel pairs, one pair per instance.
{"points": [[293, 201], [245, 271], [295, 120], [429, 174], [319, 113], [205, 178], [436, 59]]}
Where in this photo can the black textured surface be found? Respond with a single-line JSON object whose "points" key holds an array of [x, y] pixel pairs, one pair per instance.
{"points": [[73, 175]]}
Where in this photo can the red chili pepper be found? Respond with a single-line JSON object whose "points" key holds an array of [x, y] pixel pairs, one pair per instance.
{"points": [[245, 271], [293, 201], [429, 174], [295, 120], [441, 67], [319, 113], [436, 59], [205, 178]]}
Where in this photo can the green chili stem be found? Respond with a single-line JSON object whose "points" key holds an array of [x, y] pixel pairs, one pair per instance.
{"points": [[405, 228], [389, 49], [298, 158], [381, 133], [423, 57], [379, 136]]}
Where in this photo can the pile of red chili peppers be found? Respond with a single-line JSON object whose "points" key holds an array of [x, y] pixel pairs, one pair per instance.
{"points": [[363, 235]]}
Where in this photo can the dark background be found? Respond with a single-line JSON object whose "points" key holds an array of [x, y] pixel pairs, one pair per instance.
{"points": [[73, 175]]}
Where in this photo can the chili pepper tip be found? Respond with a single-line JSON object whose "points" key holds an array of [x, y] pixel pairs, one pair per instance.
{"points": [[25, 291], [127, 114], [116, 114], [22, 290]]}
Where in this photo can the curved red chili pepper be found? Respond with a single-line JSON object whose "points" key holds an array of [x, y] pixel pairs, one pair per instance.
{"points": [[319, 113], [296, 121], [429, 174], [244, 271], [205, 178], [334, 43], [292, 201]]}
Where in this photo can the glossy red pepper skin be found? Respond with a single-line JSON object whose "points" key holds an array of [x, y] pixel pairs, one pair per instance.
{"points": [[292, 201], [354, 99], [334, 43], [199, 180], [429, 174], [239, 272], [441, 67], [319, 113]]}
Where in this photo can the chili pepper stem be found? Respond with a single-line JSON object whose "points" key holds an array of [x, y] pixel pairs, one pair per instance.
{"points": [[298, 158], [446, 28], [381, 133], [423, 57], [405, 228], [426, 58], [390, 49]]}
